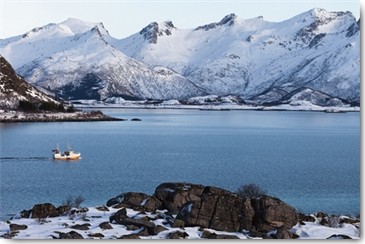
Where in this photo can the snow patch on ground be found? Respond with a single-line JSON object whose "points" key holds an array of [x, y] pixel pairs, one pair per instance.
{"points": [[50, 228]]}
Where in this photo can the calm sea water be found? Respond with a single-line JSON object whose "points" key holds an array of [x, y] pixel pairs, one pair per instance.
{"points": [[310, 160]]}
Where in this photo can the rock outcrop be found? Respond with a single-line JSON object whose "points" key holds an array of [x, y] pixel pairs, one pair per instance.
{"points": [[216, 208], [16, 93], [272, 213], [181, 211], [44, 210], [212, 207], [174, 195]]}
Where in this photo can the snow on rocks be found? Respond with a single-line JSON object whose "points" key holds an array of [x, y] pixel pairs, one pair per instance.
{"points": [[16, 116], [127, 218]]}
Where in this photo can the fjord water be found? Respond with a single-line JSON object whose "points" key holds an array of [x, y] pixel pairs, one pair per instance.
{"points": [[310, 160]]}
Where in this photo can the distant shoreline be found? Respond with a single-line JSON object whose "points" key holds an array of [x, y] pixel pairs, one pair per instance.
{"points": [[223, 107], [21, 117], [96, 115]]}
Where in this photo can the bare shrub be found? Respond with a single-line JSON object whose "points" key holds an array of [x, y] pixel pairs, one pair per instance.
{"points": [[41, 220], [333, 222], [78, 200], [250, 190], [73, 201]]}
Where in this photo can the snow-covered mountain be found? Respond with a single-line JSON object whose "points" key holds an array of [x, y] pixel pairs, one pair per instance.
{"points": [[16, 93], [73, 55], [316, 52], [316, 49]]}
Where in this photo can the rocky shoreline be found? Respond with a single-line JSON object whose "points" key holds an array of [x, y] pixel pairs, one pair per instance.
{"points": [[179, 211], [217, 103], [13, 117]]}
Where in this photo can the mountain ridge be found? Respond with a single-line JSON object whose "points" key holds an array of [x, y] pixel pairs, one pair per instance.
{"points": [[17, 94], [250, 58]]}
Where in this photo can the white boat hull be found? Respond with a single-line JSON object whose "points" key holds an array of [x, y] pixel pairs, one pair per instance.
{"points": [[72, 156]]}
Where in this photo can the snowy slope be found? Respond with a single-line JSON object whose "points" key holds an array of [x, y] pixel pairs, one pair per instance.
{"points": [[98, 226], [316, 49], [13, 90], [44, 41], [77, 56], [261, 61]]}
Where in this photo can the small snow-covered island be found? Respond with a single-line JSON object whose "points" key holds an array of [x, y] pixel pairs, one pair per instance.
{"points": [[179, 210]]}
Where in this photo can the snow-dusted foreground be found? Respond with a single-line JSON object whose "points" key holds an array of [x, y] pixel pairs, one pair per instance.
{"points": [[94, 223]]}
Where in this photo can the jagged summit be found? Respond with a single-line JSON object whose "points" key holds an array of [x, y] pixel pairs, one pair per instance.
{"points": [[323, 13], [227, 20], [152, 31], [79, 26], [319, 15], [69, 27]]}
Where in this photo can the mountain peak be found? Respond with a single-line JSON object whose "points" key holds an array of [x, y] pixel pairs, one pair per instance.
{"points": [[168, 24], [318, 12], [229, 20], [321, 21], [322, 14], [152, 31], [71, 20], [37, 30], [79, 26]]}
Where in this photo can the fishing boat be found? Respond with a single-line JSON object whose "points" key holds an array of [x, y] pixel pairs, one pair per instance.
{"points": [[69, 154]]}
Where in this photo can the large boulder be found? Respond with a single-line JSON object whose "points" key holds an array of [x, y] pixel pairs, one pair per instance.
{"points": [[220, 209], [16, 227], [121, 217], [177, 235], [80, 227], [70, 235], [149, 226], [118, 216], [105, 226], [25, 213], [44, 210], [272, 213], [63, 209], [174, 195]]}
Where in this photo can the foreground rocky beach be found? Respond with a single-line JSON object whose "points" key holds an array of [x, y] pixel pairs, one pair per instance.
{"points": [[178, 211]]}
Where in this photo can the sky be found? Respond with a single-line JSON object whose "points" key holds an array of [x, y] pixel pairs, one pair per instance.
{"points": [[123, 18]]}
